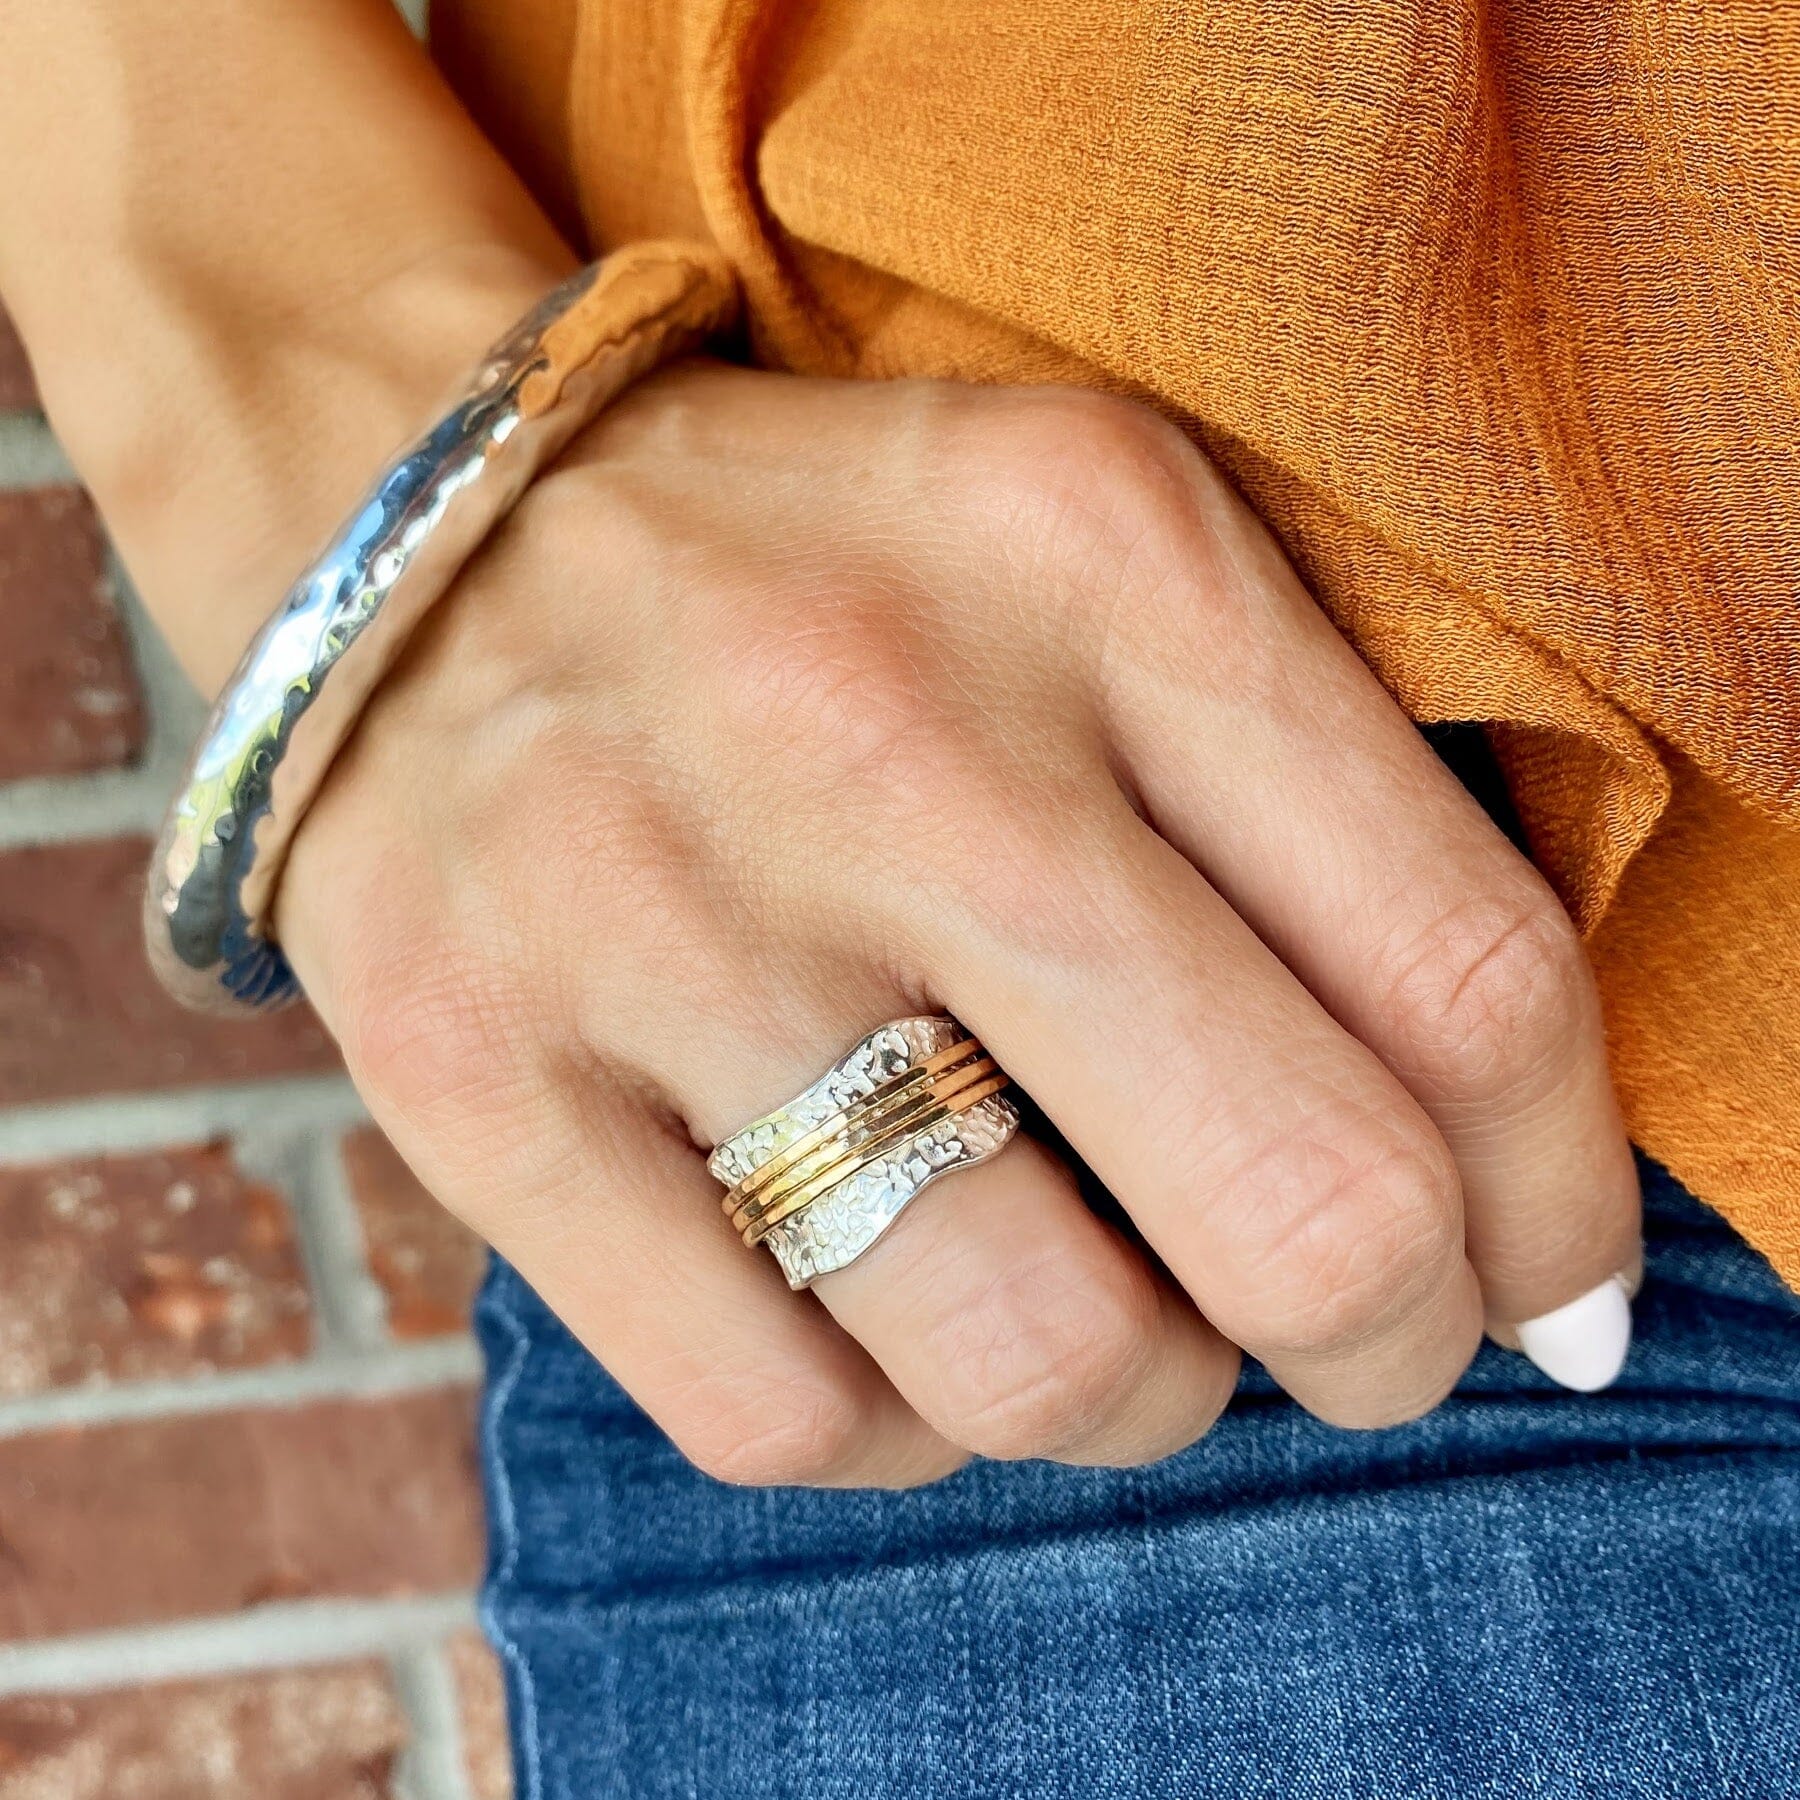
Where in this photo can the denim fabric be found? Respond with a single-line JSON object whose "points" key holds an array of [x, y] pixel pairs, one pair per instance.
{"points": [[1528, 1593]]}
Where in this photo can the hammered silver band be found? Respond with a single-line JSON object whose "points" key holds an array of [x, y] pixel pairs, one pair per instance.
{"points": [[872, 1115], [305, 679]]}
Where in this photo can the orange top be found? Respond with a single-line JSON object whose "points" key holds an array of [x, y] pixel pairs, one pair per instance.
{"points": [[1492, 313]]}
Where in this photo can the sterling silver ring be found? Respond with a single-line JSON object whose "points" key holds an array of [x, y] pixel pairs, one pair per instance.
{"points": [[819, 1180]]}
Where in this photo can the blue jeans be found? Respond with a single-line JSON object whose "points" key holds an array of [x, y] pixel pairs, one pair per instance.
{"points": [[1530, 1592]]}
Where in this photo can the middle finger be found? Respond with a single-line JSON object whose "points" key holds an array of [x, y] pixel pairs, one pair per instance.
{"points": [[1013, 1320]]}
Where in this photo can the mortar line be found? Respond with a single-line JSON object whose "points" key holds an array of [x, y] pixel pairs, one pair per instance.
{"points": [[282, 1635], [115, 1124], [69, 809], [289, 1161], [30, 456], [447, 1362], [174, 707], [289, 1134], [434, 1767], [350, 1304]]}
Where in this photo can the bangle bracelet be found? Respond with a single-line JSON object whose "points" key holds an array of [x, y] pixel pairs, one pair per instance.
{"points": [[306, 677]]}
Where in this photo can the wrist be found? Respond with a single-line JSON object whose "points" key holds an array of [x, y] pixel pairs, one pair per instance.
{"points": [[223, 471]]}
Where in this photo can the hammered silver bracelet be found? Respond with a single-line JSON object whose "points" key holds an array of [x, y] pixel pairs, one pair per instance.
{"points": [[303, 683]]}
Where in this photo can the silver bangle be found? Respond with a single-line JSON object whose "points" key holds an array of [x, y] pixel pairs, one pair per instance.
{"points": [[305, 679]]}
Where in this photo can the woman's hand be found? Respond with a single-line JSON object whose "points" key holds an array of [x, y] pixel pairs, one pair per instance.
{"points": [[782, 708]]}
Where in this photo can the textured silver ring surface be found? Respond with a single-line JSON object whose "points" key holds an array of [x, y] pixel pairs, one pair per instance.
{"points": [[851, 1216], [302, 684]]}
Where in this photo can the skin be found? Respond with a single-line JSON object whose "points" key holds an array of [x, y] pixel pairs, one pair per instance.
{"points": [[783, 707]]}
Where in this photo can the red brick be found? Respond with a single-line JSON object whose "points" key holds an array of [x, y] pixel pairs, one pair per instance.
{"points": [[17, 389], [80, 1012], [69, 698], [303, 1734], [131, 1267], [481, 1699], [427, 1261], [133, 1523]]}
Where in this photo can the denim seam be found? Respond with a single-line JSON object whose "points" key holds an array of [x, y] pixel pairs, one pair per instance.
{"points": [[506, 1531]]}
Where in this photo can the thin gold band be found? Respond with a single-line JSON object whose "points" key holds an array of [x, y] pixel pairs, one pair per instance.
{"points": [[872, 1151], [924, 1109], [907, 1082]]}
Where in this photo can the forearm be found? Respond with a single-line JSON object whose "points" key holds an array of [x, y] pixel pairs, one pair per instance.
{"points": [[248, 247]]}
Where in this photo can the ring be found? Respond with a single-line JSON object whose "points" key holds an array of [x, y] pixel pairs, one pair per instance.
{"points": [[820, 1179]]}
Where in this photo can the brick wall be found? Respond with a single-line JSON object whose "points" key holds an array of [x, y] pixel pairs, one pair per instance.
{"points": [[239, 1514]]}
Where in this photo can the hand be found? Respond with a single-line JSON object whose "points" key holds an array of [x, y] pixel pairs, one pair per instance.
{"points": [[784, 707]]}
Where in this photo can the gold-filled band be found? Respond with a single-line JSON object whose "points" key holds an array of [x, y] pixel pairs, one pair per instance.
{"points": [[897, 1105], [870, 1152], [908, 1081]]}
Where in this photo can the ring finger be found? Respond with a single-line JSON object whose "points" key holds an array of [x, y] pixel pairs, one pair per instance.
{"points": [[1014, 1320]]}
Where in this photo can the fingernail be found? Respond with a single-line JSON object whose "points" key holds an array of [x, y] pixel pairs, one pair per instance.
{"points": [[1582, 1345]]}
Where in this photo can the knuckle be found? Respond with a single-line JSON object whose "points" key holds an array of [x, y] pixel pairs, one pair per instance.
{"points": [[605, 825], [830, 673], [1497, 994], [1042, 1358], [1085, 462], [1085, 435], [1113, 509], [1359, 1232], [1409, 1389], [795, 1434]]}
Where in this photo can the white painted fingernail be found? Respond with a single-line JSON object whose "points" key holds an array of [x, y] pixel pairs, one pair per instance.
{"points": [[1582, 1345]]}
